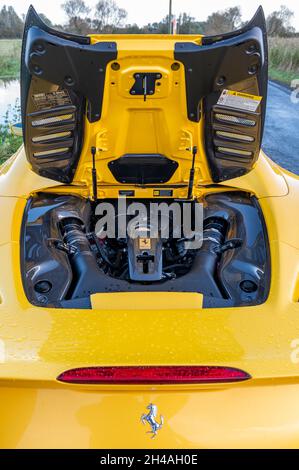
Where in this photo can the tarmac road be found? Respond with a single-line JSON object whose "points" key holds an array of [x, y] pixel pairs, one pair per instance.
{"points": [[281, 136]]}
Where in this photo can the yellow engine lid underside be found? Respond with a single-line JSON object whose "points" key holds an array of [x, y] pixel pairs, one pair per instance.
{"points": [[130, 125]]}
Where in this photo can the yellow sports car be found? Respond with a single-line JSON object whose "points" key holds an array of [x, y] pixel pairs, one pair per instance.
{"points": [[149, 250]]}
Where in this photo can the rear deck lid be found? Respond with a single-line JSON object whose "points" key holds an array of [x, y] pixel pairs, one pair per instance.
{"points": [[145, 103]]}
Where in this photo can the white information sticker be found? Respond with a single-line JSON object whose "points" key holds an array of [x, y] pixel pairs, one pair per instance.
{"points": [[238, 100]]}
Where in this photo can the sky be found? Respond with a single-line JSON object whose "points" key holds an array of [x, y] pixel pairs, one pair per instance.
{"points": [[148, 11]]}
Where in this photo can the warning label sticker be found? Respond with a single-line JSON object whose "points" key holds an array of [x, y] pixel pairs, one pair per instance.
{"points": [[51, 100], [238, 100]]}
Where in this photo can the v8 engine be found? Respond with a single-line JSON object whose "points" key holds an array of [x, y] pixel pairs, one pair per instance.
{"points": [[70, 252]]}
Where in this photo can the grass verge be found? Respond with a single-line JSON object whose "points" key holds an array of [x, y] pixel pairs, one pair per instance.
{"points": [[284, 59], [10, 52]]}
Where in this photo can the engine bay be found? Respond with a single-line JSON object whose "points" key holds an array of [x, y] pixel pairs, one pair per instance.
{"points": [[68, 255], [161, 121]]}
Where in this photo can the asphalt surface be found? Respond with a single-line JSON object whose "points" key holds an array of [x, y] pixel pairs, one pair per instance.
{"points": [[281, 136]]}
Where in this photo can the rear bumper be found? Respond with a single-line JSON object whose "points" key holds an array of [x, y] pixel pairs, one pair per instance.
{"points": [[39, 343], [249, 416]]}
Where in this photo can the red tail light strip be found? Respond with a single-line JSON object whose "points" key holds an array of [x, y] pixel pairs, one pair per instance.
{"points": [[153, 375]]}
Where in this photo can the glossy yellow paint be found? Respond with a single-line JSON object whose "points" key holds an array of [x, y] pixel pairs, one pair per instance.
{"points": [[37, 344], [157, 301], [259, 416], [131, 125]]}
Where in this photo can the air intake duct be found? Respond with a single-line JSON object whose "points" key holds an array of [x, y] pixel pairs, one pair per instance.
{"points": [[87, 274]]}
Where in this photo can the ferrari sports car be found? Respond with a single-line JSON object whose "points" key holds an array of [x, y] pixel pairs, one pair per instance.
{"points": [[117, 333]]}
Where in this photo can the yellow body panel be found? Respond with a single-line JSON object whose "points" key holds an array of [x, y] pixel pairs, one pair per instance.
{"points": [[238, 417], [131, 125], [38, 344]]}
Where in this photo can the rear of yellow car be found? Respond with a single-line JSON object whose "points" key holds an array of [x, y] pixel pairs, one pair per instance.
{"points": [[38, 345], [90, 358]]}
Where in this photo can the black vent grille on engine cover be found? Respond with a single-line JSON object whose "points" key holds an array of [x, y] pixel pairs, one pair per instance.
{"points": [[54, 139], [62, 83], [143, 169], [235, 62], [232, 137]]}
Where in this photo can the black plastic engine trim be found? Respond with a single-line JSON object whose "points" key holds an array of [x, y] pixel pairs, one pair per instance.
{"points": [[143, 169], [235, 61], [223, 60], [67, 62]]}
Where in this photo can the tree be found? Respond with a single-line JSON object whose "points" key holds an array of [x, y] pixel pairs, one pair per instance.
{"points": [[279, 22], [46, 20], [108, 16], [130, 29], [160, 27], [11, 26], [75, 10], [223, 21], [186, 24]]}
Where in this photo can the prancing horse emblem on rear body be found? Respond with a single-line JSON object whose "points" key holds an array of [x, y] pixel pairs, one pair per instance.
{"points": [[150, 418]]}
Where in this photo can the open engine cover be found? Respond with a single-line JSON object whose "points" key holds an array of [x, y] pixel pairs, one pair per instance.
{"points": [[143, 101]]}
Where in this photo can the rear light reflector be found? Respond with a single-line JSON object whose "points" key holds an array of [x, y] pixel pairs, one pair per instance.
{"points": [[153, 375]]}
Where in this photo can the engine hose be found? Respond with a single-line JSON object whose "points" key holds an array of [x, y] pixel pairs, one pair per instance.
{"points": [[86, 272], [205, 262], [73, 234], [214, 233]]}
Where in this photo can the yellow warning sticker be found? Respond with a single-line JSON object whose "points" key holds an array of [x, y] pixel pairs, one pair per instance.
{"points": [[239, 100]]}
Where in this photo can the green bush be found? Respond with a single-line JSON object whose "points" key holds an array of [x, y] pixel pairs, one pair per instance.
{"points": [[284, 59], [9, 143]]}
